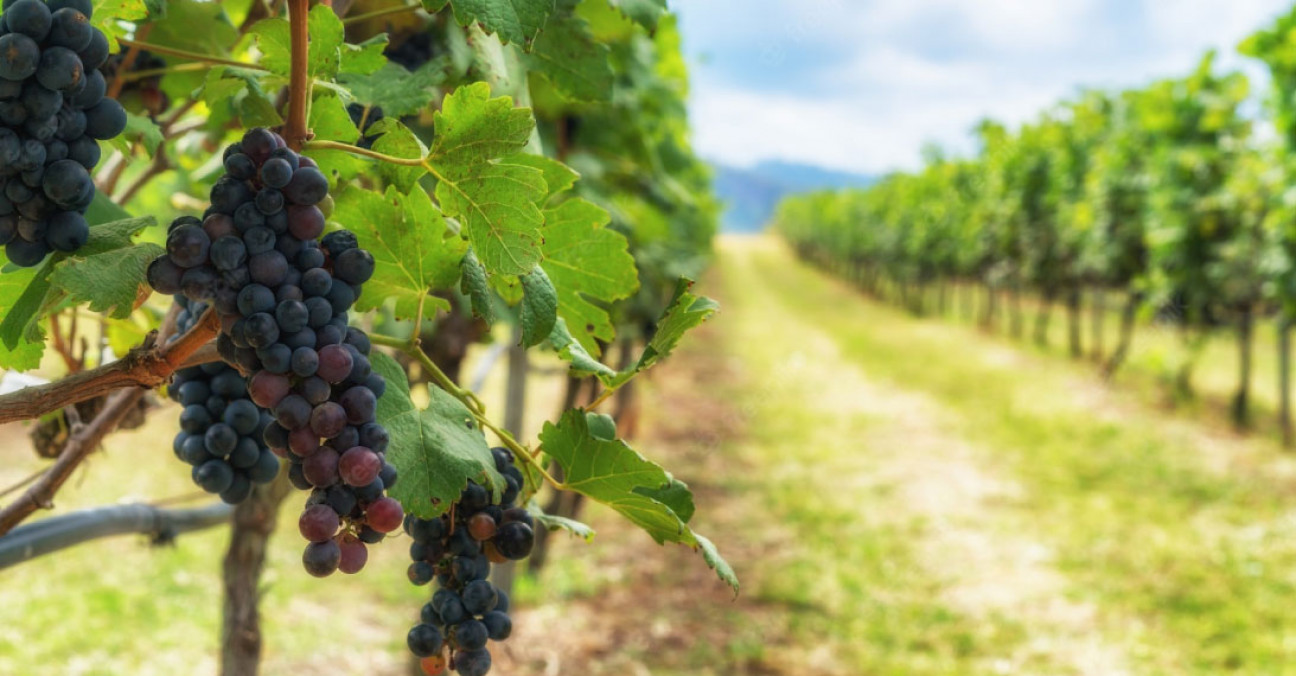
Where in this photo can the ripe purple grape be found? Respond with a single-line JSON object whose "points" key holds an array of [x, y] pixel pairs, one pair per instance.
{"points": [[322, 558], [334, 363], [318, 523]]}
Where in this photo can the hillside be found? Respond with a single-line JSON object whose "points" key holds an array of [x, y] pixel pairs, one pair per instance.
{"points": [[751, 194]]}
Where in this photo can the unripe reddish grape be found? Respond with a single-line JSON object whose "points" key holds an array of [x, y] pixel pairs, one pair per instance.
{"points": [[481, 526], [268, 389], [359, 466], [384, 515], [354, 554], [433, 666]]}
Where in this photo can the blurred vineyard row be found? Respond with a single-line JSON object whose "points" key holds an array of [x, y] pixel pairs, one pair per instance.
{"points": [[1172, 202]]}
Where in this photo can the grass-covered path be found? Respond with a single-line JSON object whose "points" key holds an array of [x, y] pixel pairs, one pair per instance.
{"points": [[906, 496]]}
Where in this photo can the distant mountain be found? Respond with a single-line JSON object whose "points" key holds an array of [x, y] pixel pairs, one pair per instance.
{"points": [[750, 195]]}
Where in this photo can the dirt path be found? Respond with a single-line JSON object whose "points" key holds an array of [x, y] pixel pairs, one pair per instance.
{"points": [[703, 419]]}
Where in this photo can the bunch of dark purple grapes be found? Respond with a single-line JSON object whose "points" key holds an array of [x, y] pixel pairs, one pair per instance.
{"points": [[220, 427], [413, 51], [364, 118], [53, 114], [457, 550], [283, 298]]}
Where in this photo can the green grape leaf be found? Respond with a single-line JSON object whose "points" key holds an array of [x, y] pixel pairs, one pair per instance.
{"points": [[569, 57], [497, 205], [509, 288], [395, 139], [124, 334], [138, 128], [558, 176], [177, 28], [472, 128], [114, 235], [513, 20], [556, 523], [109, 15], [436, 451], [686, 312], [476, 286], [602, 426], [23, 306], [582, 362], [103, 210], [366, 57], [613, 473], [495, 202], [586, 260], [408, 239], [327, 34], [275, 44], [22, 290], [397, 91], [218, 90], [108, 281], [329, 121], [256, 109], [539, 310], [643, 12]]}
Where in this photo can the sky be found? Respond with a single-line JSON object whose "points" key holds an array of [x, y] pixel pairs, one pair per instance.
{"points": [[862, 85]]}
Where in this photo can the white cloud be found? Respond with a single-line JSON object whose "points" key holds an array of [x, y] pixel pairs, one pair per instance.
{"points": [[915, 71], [742, 127], [1006, 25]]}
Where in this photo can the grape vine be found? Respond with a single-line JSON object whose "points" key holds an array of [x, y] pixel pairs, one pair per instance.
{"points": [[362, 192]]}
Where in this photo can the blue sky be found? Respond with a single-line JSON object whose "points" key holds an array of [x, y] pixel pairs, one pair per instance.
{"points": [[861, 85]]}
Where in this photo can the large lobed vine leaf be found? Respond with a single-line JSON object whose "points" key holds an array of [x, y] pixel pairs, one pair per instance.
{"points": [[571, 58], [496, 202], [110, 281], [328, 53], [643, 12], [408, 239], [108, 16], [397, 140], [513, 20], [586, 260], [685, 312], [329, 121], [611, 472], [436, 450], [397, 91]]}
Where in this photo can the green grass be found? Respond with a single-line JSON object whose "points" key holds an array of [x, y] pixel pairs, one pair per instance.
{"points": [[1180, 534], [899, 496]]}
